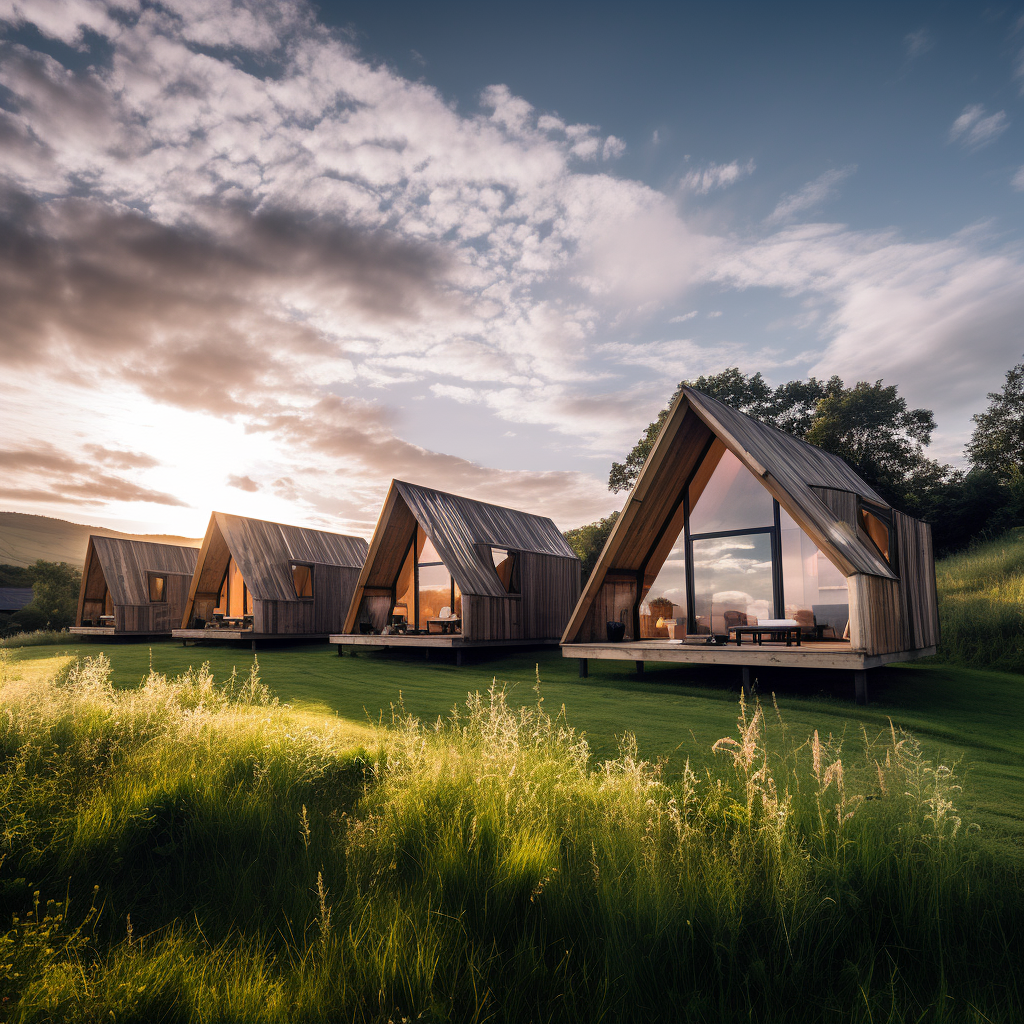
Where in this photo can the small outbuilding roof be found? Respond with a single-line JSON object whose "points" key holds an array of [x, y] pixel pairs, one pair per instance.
{"points": [[462, 530], [126, 565], [13, 599], [264, 552]]}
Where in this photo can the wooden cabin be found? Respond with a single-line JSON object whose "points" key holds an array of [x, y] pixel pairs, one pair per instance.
{"points": [[262, 581], [133, 587], [732, 521], [447, 571]]}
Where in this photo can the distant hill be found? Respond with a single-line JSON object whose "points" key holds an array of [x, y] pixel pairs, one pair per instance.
{"points": [[25, 538]]}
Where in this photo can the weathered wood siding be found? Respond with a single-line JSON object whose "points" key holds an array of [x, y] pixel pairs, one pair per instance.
{"points": [[916, 565], [842, 503], [877, 623], [284, 617], [551, 588], [614, 602], [122, 568], [375, 607], [492, 618]]}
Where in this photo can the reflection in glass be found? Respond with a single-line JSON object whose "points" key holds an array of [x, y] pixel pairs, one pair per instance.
{"points": [[437, 597], [732, 578], [663, 609], [732, 499], [302, 580], [506, 565], [815, 589], [234, 600], [405, 596], [876, 530], [157, 586]]}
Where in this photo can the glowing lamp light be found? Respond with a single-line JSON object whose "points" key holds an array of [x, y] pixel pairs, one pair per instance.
{"points": [[660, 623]]}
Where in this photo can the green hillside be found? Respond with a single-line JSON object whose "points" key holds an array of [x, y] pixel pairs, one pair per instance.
{"points": [[25, 538], [981, 604]]}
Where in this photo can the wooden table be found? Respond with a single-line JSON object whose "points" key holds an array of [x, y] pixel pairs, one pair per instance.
{"points": [[445, 625], [757, 633]]}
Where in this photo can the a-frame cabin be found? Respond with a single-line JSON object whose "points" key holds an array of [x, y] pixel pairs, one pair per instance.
{"points": [[262, 581], [133, 587], [448, 571], [732, 521]]}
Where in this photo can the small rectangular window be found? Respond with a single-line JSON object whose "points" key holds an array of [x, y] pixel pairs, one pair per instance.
{"points": [[302, 578], [157, 588], [877, 530], [506, 565]]}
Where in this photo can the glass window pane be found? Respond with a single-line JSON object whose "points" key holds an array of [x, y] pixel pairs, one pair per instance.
{"points": [[814, 588], [435, 593], [876, 530], [663, 609], [506, 568], [428, 553], [302, 578], [405, 598], [732, 579], [156, 588], [733, 499]]}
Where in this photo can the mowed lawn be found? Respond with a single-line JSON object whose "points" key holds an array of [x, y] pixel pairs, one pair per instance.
{"points": [[970, 716]]}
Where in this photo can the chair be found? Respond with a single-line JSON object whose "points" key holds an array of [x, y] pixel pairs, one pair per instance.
{"points": [[445, 613], [734, 618]]}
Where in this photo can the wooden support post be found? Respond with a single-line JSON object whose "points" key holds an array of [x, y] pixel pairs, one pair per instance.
{"points": [[583, 668], [339, 650], [860, 685], [254, 645], [746, 683], [426, 654], [639, 668], [458, 657]]}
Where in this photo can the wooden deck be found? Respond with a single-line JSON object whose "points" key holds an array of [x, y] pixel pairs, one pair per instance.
{"points": [[242, 634], [432, 640], [810, 654]]}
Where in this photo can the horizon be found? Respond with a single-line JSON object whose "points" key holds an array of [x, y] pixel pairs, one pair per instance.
{"points": [[267, 258]]}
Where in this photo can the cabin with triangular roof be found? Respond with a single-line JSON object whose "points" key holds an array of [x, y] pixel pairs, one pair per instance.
{"points": [[262, 581], [448, 571], [734, 525], [133, 587]]}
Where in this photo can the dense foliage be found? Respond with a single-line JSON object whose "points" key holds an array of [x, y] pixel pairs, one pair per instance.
{"points": [[189, 851], [587, 541], [873, 429], [54, 605]]}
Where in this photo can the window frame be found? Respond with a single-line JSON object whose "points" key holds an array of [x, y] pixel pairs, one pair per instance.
{"points": [[151, 577], [515, 573], [292, 566], [885, 517]]}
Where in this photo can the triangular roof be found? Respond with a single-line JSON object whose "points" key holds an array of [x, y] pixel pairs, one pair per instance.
{"points": [[462, 530], [264, 552], [788, 467], [127, 563]]}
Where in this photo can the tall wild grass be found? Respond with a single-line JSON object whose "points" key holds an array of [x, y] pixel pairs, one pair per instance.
{"points": [[191, 851], [38, 638], [981, 604]]}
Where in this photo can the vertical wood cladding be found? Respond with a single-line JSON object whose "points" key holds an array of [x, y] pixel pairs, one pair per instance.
{"points": [[877, 623], [916, 563], [122, 570], [842, 503], [614, 602]]}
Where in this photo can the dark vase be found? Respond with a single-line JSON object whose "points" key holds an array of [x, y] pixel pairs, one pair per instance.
{"points": [[616, 631]]}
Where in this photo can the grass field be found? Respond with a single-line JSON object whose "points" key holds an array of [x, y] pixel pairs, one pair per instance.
{"points": [[199, 852], [959, 714]]}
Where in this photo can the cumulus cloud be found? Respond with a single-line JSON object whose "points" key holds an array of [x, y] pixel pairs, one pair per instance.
{"points": [[243, 483], [716, 176], [226, 208], [814, 193], [973, 130]]}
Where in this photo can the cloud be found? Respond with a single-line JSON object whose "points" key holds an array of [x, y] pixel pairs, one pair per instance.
{"points": [[243, 483], [120, 459], [716, 176], [43, 473], [813, 194], [918, 43], [683, 317], [1018, 180], [973, 130]]}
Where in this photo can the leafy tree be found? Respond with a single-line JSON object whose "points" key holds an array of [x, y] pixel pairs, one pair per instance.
{"points": [[790, 407], [587, 541], [871, 428], [15, 575], [55, 587], [997, 444]]}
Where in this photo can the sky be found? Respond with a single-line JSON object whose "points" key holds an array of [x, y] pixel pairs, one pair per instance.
{"points": [[263, 257]]}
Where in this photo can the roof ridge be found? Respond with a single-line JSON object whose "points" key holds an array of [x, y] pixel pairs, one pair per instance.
{"points": [[475, 501]]}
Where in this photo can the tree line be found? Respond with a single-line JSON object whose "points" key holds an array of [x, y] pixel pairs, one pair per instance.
{"points": [[54, 604], [871, 427]]}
